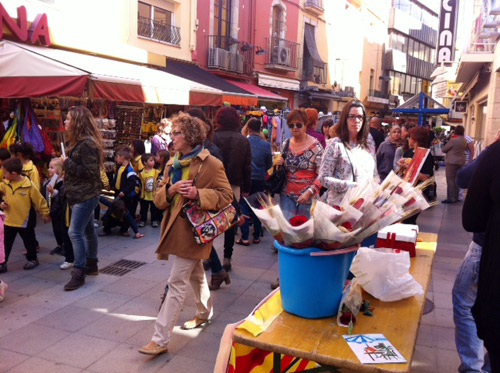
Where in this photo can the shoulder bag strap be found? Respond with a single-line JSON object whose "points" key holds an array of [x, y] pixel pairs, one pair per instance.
{"points": [[352, 166]]}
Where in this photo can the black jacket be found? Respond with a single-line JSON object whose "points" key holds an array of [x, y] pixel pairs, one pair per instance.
{"points": [[237, 157], [481, 212]]}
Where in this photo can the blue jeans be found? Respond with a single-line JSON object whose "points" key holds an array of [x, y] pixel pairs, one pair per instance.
{"points": [[290, 208], [469, 346], [82, 232]]}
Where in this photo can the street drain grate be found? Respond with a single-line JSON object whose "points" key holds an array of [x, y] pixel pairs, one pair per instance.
{"points": [[121, 267]]}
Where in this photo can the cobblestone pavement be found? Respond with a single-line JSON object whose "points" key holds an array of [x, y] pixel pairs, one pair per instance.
{"points": [[99, 327]]}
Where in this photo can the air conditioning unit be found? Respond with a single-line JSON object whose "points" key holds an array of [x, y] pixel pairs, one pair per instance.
{"points": [[218, 58], [235, 62], [281, 56]]}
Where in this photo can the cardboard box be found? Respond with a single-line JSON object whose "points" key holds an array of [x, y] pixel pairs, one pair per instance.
{"points": [[399, 236]]}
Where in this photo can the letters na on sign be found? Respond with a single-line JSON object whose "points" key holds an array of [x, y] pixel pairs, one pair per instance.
{"points": [[39, 29], [447, 30]]}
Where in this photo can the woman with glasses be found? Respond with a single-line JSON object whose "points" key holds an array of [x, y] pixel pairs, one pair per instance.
{"points": [[192, 174], [301, 157], [350, 157]]}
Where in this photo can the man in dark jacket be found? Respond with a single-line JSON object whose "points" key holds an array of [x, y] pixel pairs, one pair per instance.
{"points": [[237, 158], [262, 160]]}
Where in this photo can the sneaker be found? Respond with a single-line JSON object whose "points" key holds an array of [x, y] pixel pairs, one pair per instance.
{"points": [[66, 265], [3, 288], [155, 224], [142, 224], [31, 264], [3, 267]]}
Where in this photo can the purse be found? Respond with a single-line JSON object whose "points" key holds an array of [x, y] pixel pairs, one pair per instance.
{"points": [[275, 183], [207, 225]]}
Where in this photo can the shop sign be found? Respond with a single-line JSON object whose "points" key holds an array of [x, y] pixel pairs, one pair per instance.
{"points": [[460, 106], [38, 31], [447, 29]]}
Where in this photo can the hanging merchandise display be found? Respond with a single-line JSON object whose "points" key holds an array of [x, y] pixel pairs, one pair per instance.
{"points": [[12, 132], [30, 131]]}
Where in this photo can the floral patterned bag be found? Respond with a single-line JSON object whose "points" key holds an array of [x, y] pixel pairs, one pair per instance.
{"points": [[207, 225]]}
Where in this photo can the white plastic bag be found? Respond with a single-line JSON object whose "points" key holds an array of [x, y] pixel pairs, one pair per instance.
{"points": [[384, 273]]}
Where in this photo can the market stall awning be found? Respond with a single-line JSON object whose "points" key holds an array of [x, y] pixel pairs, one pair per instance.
{"points": [[27, 74], [123, 81], [230, 92], [261, 93]]}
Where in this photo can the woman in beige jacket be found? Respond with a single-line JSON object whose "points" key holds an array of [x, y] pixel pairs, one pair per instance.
{"points": [[212, 191]]}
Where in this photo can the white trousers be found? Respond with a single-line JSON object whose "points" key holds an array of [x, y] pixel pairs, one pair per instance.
{"points": [[183, 271]]}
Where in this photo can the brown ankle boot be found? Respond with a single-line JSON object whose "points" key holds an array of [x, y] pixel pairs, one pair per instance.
{"points": [[218, 279], [91, 265], [77, 279]]}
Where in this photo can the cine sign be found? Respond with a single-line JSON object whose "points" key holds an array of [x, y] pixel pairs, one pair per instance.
{"points": [[447, 30], [39, 29]]}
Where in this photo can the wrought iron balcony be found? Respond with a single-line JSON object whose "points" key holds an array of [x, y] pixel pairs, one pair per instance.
{"points": [[281, 54], [316, 6], [225, 53], [312, 72], [154, 30]]}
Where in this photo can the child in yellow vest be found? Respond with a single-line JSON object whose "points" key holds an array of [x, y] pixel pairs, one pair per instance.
{"points": [[19, 195], [149, 177]]}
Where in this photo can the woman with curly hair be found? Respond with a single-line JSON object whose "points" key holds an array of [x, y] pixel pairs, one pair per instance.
{"points": [[82, 170], [212, 191]]}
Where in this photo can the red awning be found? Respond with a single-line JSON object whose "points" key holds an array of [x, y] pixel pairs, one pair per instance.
{"points": [[116, 91], [261, 93], [27, 74], [238, 99]]}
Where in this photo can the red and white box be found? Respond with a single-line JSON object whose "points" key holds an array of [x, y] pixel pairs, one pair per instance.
{"points": [[399, 236]]}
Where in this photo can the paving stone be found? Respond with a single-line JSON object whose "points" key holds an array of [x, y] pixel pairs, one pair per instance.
{"points": [[126, 358], [103, 300], [70, 318], [39, 365], [10, 359], [129, 286], [448, 360], [32, 338], [79, 349]]}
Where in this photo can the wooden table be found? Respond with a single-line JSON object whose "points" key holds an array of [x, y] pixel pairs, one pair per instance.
{"points": [[321, 340]]}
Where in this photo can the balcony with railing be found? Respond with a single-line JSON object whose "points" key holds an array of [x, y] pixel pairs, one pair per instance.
{"points": [[228, 54], [281, 54], [315, 6], [378, 97], [158, 31], [314, 71]]}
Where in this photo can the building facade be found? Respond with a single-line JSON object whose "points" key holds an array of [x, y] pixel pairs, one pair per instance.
{"points": [[479, 73], [411, 50]]}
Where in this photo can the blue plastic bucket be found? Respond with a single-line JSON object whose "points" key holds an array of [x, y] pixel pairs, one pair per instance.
{"points": [[312, 280]]}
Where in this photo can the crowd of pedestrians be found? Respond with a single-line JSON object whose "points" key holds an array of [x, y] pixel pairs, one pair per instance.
{"points": [[221, 163]]}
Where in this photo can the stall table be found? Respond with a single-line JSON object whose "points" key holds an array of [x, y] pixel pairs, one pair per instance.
{"points": [[321, 340]]}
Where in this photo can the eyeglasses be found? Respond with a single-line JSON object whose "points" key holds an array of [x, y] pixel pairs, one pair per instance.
{"points": [[297, 125], [355, 117], [176, 133]]}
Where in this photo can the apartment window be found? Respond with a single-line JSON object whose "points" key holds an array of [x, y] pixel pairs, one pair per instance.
{"points": [[222, 25], [410, 47], [156, 23], [372, 77], [277, 21]]}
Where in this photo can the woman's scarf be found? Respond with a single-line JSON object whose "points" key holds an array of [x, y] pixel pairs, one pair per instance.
{"points": [[181, 162]]}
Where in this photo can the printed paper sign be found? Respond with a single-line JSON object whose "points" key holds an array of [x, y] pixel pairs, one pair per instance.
{"points": [[374, 349]]}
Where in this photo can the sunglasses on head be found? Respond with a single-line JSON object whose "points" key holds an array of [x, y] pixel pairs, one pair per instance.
{"points": [[297, 125]]}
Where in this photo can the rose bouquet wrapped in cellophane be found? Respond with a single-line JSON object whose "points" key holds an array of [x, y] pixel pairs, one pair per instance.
{"points": [[298, 233], [263, 207], [329, 232]]}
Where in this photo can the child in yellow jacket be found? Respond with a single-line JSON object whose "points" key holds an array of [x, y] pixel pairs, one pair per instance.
{"points": [[19, 194], [149, 179]]}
